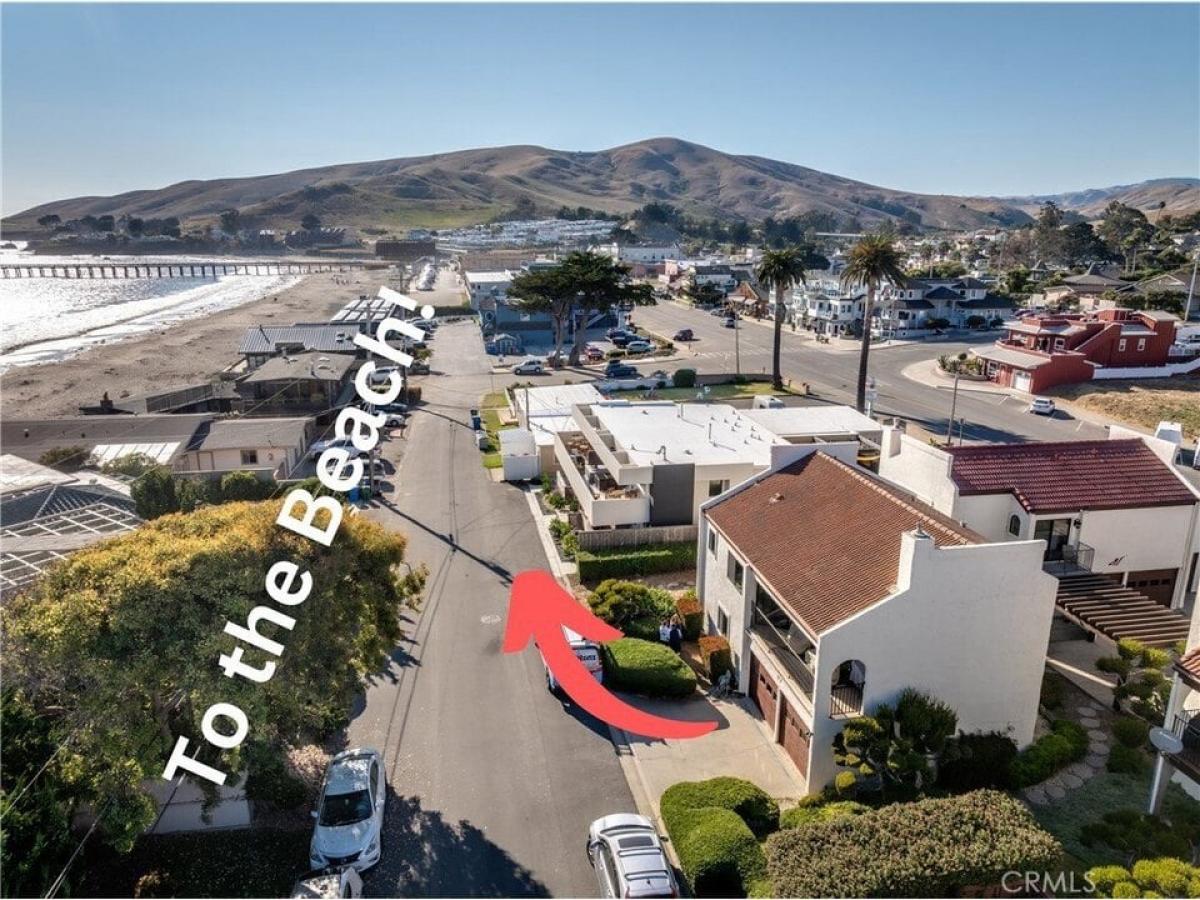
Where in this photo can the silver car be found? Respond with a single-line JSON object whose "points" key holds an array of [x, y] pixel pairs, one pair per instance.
{"points": [[628, 858], [349, 812]]}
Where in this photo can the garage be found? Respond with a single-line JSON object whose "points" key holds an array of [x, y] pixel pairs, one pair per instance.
{"points": [[1157, 584], [794, 737], [1022, 381], [763, 690]]}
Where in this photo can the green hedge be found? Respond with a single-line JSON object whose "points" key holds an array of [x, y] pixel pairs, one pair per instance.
{"points": [[1131, 732], [646, 667], [1067, 743], [751, 803], [930, 848], [635, 608], [799, 816], [716, 655], [1165, 877], [692, 614], [684, 378], [974, 761], [597, 565], [710, 826]]}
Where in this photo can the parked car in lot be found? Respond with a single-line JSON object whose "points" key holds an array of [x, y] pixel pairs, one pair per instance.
{"points": [[396, 420], [717, 311], [381, 375], [731, 321], [628, 858], [639, 346], [684, 334], [587, 652], [349, 812], [419, 367], [593, 353], [1042, 406], [319, 447], [608, 334], [618, 369], [764, 402], [529, 367], [621, 338]]}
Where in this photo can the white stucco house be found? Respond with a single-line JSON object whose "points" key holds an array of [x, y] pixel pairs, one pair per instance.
{"points": [[269, 447], [837, 592], [1112, 508], [656, 462]]}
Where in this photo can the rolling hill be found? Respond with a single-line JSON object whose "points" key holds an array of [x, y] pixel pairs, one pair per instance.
{"points": [[467, 186], [1170, 195]]}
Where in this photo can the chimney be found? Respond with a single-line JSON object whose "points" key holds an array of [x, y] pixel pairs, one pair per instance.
{"points": [[916, 548]]}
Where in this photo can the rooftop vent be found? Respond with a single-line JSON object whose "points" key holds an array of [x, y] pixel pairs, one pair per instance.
{"points": [[775, 498]]}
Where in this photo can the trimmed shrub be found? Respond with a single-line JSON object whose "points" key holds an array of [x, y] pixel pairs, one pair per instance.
{"points": [[597, 565], [719, 855], [1126, 760], [751, 803], [237, 486], [153, 493], [1105, 878], [684, 378], [691, 613], [974, 761], [716, 655], [645, 667], [845, 783], [1131, 732], [1131, 833], [1165, 877], [1067, 743], [929, 848], [799, 816], [1052, 692], [637, 609]]}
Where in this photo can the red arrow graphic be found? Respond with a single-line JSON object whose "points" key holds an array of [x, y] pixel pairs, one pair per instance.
{"points": [[538, 608]]}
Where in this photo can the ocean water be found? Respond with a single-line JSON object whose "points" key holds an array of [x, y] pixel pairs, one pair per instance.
{"points": [[45, 319]]}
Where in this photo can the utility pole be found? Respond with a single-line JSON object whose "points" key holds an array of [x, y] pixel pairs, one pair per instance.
{"points": [[950, 424], [1187, 307], [737, 348]]}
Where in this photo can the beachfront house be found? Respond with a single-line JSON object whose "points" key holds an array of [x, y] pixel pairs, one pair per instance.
{"points": [[301, 384], [264, 342], [270, 448], [837, 591]]}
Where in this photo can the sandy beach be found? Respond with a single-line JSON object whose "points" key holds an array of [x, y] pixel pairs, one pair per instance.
{"points": [[189, 352]]}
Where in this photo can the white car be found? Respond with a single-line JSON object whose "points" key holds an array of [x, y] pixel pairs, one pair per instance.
{"points": [[342, 883], [349, 812], [319, 447], [628, 859], [1042, 406], [639, 347], [528, 367]]}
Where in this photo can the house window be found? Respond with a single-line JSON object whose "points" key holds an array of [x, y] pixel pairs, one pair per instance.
{"points": [[1059, 343], [712, 542], [1014, 525], [722, 621], [1141, 344], [1121, 345], [249, 457], [736, 572], [716, 488]]}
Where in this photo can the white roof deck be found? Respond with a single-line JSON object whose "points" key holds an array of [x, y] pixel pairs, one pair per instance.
{"points": [[698, 433], [814, 421], [555, 399]]}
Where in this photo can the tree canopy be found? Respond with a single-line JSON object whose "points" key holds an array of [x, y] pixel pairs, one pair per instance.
{"points": [[118, 646]]}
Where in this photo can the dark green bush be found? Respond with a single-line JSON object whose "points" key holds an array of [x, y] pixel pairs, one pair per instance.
{"points": [[710, 824], [1134, 834], [65, 459], [646, 667], [684, 378], [153, 493], [1053, 691], [748, 800], [269, 780], [974, 761], [798, 816], [1067, 743], [637, 609], [596, 565], [1127, 760], [1131, 732], [245, 486], [929, 848], [692, 615]]}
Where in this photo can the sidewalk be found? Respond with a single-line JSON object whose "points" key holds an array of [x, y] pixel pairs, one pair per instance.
{"points": [[926, 372]]}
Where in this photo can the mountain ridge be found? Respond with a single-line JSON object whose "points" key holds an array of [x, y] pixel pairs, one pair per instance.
{"points": [[478, 184]]}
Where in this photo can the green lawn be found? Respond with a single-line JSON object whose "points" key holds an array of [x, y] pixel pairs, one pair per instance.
{"points": [[715, 392], [494, 400]]}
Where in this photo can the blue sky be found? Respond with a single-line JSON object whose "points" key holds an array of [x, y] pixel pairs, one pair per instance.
{"points": [[1012, 99]]}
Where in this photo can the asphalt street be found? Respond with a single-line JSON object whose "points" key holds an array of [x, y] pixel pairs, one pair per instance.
{"points": [[493, 781], [833, 375]]}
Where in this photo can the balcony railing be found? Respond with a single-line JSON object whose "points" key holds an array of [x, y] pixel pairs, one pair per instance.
{"points": [[1187, 728], [1071, 558], [785, 654], [845, 701]]}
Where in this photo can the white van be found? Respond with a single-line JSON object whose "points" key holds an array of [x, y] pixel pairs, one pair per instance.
{"points": [[764, 402], [587, 652]]}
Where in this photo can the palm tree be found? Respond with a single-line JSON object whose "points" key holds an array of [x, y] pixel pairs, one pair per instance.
{"points": [[780, 271], [873, 262]]}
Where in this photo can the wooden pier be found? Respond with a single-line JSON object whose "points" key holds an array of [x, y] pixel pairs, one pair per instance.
{"points": [[167, 269]]}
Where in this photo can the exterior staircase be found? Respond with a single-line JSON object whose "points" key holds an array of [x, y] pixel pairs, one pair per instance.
{"points": [[1102, 605]]}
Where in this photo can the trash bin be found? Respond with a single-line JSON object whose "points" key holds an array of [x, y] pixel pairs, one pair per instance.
{"points": [[476, 421], [481, 439]]}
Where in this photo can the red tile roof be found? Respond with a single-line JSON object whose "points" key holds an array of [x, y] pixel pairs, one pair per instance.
{"points": [[1188, 666], [825, 537], [1067, 476]]}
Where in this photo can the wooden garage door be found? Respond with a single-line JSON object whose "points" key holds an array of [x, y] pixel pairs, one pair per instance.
{"points": [[1157, 584], [794, 737], [763, 690]]}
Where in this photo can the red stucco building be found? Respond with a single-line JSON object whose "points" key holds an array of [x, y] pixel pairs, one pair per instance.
{"points": [[1039, 352]]}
